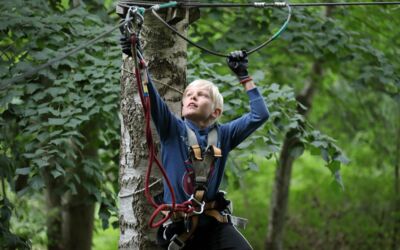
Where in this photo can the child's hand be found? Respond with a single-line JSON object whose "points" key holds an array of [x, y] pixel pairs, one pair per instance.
{"points": [[125, 45], [238, 62], [124, 41]]}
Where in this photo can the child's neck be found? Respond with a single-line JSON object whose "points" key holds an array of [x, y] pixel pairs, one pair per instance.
{"points": [[201, 124]]}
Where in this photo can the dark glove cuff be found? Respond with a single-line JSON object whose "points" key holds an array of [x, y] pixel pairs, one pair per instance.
{"points": [[243, 76], [245, 79]]}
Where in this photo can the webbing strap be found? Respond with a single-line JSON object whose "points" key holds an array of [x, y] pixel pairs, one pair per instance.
{"points": [[202, 160], [212, 138]]}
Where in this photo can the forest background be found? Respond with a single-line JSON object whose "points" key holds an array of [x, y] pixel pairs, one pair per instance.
{"points": [[60, 135]]}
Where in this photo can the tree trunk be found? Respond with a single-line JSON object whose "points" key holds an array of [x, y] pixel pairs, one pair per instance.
{"points": [[78, 219], [54, 221], [166, 57], [78, 209], [280, 192], [396, 227]]}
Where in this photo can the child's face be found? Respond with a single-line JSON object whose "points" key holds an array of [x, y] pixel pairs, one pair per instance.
{"points": [[198, 106]]}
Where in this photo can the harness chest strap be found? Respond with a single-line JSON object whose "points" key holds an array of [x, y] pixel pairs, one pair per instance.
{"points": [[202, 162]]}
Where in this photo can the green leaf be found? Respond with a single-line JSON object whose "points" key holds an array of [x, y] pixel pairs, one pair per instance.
{"points": [[41, 162], [32, 87], [325, 155], [254, 167], [338, 179], [56, 173], [55, 91], [334, 166], [36, 182], [342, 159], [23, 171], [73, 123], [245, 144], [297, 150], [72, 188], [57, 121], [104, 215], [319, 144], [57, 141], [79, 77]]}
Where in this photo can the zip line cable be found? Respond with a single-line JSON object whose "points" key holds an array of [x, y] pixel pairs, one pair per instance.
{"points": [[254, 4], [273, 37], [34, 71]]}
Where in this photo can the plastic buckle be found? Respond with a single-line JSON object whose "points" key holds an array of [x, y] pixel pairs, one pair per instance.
{"points": [[176, 243], [201, 204]]}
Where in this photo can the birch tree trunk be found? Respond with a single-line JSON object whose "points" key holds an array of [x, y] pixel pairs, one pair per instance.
{"points": [[165, 54]]}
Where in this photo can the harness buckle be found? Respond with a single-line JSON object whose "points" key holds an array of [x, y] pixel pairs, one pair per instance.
{"points": [[201, 204], [176, 243]]}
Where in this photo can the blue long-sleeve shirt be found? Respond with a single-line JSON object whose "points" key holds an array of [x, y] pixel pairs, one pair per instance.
{"points": [[174, 143]]}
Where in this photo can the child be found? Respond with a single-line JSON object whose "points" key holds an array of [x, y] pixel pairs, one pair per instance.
{"points": [[202, 105]]}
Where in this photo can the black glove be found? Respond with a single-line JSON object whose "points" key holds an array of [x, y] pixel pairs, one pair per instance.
{"points": [[238, 62], [124, 40], [125, 45]]}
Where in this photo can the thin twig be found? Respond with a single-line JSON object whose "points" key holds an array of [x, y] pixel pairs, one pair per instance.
{"points": [[138, 191]]}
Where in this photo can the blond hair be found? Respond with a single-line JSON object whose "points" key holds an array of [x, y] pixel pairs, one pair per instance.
{"points": [[216, 97]]}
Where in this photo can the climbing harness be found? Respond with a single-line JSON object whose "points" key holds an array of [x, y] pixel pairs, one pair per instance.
{"points": [[202, 160]]}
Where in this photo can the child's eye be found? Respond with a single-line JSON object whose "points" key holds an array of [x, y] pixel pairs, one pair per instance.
{"points": [[202, 94]]}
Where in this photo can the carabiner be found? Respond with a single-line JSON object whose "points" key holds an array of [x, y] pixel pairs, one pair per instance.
{"points": [[201, 204], [134, 14]]}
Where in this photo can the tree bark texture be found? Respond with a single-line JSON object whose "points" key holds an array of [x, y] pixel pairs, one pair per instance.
{"points": [[165, 54], [280, 192], [78, 217], [78, 209], [53, 206]]}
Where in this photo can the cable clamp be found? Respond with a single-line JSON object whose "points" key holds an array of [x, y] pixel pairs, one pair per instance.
{"points": [[155, 7], [280, 4], [259, 4]]}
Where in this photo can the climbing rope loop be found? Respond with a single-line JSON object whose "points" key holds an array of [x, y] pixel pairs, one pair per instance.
{"points": [[142, 79], [155, 8]]}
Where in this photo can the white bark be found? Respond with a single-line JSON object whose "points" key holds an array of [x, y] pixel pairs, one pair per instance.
{"points": [[166, 57]]}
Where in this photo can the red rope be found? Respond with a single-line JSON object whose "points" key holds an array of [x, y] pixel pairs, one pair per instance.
{"points": [[186, 206]]}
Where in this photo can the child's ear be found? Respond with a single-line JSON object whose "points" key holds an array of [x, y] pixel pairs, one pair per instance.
{"points": [[216, 113]]}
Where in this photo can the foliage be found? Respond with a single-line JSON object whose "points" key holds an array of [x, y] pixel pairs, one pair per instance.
{"points": [[7, 238], [357, 103], [320, 216], [61, 119]]}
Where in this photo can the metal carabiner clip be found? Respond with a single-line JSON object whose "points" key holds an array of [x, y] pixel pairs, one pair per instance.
{"points": [[133, 16], [201, 204]]}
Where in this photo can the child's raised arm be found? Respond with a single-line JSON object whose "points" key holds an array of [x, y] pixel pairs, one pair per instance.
{"points": [[160, 113], [242, 127]]}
